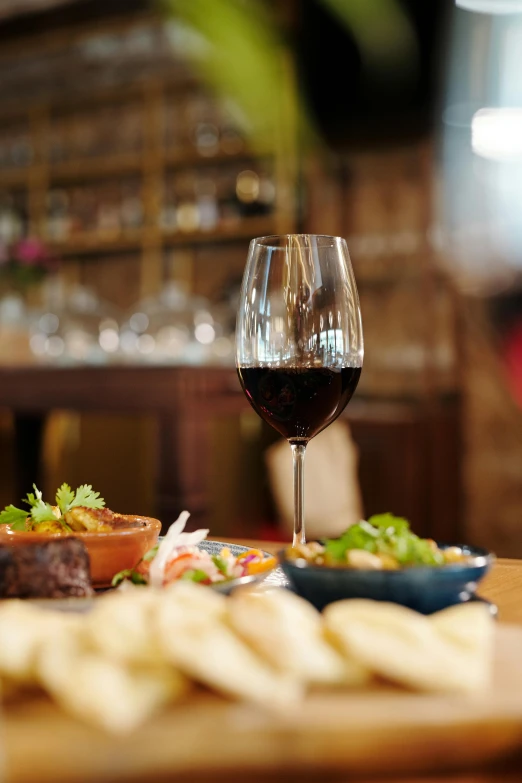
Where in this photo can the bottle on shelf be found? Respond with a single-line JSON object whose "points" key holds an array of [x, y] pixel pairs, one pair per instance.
{"points": [[207, 202], [188, 217], [229, 211], [131, 206], [167, 218], [20, 150], [11, 219], [202, 125], [173, 126], [108, 222], [58, 216]]}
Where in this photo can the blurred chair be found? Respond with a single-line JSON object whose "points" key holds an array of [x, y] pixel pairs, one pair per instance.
{"points": [[332, 493]]}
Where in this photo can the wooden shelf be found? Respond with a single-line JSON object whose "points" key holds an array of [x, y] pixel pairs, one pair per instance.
{"points": [[133, 163], [96, 167], [191, 157], [149, 166], [92, 243], [15, 177], [120, 165], [88, 243], [247, 228]]}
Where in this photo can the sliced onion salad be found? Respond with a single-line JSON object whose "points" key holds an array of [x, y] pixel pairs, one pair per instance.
{"points": [[178, 556]]}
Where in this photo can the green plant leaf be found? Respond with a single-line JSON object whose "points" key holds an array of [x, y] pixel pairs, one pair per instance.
{"points": [[31, 499], [43, 512], [220, 564], [128, 573], [389, 522], [359, 536], [384, 534], [118, 578], [151, 554], [16, 517], [86, 496], [195, 575], [64, 498]]}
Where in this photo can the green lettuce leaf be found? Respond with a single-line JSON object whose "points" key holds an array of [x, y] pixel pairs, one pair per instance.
{"points": [[384, 534], [360, 536]]}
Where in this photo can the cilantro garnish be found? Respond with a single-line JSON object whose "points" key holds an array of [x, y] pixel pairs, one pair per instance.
{"points": [[16, 517], [64, 498], [43, 512], [31, 499], [84, 496], [40, 511]]}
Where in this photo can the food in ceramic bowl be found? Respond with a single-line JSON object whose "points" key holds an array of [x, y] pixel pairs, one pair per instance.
{"points": [[114, 541], [382, 559], [189, 557]]}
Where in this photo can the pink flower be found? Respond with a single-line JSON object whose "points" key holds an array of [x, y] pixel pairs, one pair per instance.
{"points": [[30, 252]]}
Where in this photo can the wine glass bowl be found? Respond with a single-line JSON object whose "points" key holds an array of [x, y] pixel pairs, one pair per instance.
{"points": [[299, 344]]}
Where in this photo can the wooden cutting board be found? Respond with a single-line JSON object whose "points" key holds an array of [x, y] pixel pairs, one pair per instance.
{"points": [[379, 731]]}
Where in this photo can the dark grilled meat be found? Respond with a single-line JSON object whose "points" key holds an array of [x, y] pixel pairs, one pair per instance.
{"points": [[53, 569]]}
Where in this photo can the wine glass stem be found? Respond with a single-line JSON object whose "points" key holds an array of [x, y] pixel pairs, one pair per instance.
{"points": [[298, 454]]}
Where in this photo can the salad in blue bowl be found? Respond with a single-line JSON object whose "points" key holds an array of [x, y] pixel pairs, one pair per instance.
{"points": [[382, 559]]}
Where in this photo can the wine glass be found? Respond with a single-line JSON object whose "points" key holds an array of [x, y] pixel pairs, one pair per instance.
{"points": [[299, 342]]}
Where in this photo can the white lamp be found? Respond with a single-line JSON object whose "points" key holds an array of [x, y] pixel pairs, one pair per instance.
{"points": [[496, 134], [491, 6]]}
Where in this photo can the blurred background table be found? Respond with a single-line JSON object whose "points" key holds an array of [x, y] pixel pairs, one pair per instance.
{"points": [[139, 170], [423, 482]]}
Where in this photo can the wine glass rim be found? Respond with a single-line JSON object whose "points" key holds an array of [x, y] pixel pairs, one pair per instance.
{"points": [[271, 240]]}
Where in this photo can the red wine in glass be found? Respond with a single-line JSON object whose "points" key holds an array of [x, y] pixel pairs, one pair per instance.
{"points": [[299, 342], [299, 402]]}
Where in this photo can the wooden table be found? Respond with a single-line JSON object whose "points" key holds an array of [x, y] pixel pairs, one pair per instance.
{"points": [[111, 758]]}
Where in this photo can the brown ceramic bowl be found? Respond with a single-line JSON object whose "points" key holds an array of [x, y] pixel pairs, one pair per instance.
{"points": [[109, 553]]}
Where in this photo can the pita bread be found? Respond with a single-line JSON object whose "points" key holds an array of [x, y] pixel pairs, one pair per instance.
{"points": [[101, 691], [408, 648], [287, 632], [205, 648], [120, 627], [23, 630]]}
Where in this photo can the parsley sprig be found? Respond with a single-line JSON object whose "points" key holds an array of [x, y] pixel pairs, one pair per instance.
{"points": [[40, 511]]}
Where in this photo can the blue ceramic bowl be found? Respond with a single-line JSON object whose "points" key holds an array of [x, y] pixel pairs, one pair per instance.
{"points": [[425, 589]]}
